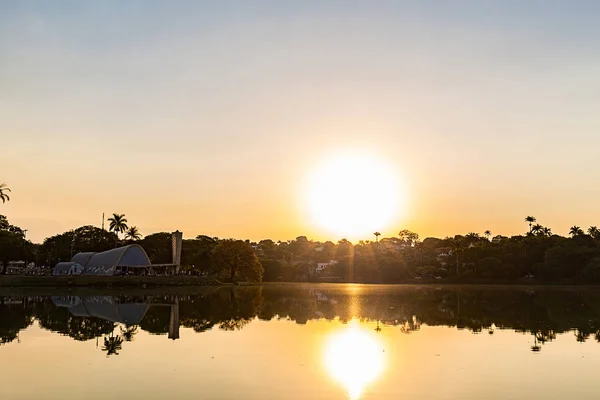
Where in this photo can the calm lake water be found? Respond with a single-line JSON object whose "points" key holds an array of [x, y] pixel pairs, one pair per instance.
{"points": [[304, 342]]}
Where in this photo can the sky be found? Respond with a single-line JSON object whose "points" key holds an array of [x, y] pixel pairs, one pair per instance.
{"points": [[209, 117]]}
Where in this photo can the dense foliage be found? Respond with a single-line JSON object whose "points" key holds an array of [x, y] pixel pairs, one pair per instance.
{"points": [[538, 255]]}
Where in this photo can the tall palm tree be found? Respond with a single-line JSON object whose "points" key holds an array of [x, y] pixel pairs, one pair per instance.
{"points": [[488, 234], [530, 220], [594, 232], [3, 196], [377, 234], [118, 223], [575, 231], [133, 234]]}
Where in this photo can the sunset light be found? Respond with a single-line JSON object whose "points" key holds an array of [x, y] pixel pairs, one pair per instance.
{"points": [[354, 358], [353, 196], [258, 199]]}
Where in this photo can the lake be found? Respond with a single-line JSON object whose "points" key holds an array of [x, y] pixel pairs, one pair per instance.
{"points": [[302, 341]]}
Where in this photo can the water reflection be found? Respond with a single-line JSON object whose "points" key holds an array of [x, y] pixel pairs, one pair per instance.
{"points": [[354, 357], [543, 313]]}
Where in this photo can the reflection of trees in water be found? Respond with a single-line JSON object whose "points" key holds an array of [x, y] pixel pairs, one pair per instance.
{"points": [[543, 313], [129, 332], [156, 320], [112, 345], [13, 319], [227, 308]]}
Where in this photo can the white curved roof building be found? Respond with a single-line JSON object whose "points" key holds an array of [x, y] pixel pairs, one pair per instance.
{"points": [[107, 262]]}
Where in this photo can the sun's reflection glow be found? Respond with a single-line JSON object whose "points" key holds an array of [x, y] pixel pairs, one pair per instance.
{"points": [[354, 357]]}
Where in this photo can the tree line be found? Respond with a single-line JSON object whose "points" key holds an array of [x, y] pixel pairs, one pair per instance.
{"points": [[538, 255]]}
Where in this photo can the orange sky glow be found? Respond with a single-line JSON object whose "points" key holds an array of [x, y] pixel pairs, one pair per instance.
{"points": [[211, 121]]}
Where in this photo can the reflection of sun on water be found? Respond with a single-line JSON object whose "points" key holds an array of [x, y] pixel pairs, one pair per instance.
{"points": [[354, 357]]}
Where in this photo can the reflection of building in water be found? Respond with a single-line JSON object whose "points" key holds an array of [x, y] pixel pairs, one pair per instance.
{"points": [[174, 321], [107, 308], [103, 307]]}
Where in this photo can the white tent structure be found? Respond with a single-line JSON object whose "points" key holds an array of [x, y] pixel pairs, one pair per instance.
{"points": [[106, 263]]}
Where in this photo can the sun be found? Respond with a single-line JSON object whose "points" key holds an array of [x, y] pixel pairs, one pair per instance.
{"points": [[354, 358], [353, 196]]}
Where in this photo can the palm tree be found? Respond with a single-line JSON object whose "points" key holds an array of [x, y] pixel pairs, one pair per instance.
{"points": [[594, 232], [537, 229], [575, 231], [377, 234], [133, 233], [3, 196], [530, 220], [547, 231], [118, 223], [488, 234]]}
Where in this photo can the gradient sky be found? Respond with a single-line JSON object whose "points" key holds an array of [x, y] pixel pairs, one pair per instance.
{"points": [[207, 116]]}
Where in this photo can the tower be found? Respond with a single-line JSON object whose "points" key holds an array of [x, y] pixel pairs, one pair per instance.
{"points": [[177, 238]]}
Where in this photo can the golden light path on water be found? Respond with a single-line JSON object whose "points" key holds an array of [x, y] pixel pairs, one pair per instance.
{"points": [[354, 357]]}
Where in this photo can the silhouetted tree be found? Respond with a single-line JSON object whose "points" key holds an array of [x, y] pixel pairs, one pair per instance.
{"points": [[118, 223], [377, 234], [237, 258], [3, 192], [576, 231], [530, 220], [133, 233]]}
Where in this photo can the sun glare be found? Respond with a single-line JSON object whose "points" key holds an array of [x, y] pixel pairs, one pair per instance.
{"points": [[354, 357], [353, 196]]}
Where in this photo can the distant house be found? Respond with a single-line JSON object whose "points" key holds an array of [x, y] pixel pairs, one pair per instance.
{"points": [[322, 266], [442, 254]]}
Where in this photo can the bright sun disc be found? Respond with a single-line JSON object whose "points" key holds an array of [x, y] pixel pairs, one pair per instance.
{"points": [[353, 196]]}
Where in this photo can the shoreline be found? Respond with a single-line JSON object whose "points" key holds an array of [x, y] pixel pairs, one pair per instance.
{"points": [[105, 281], [128, 283]]}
